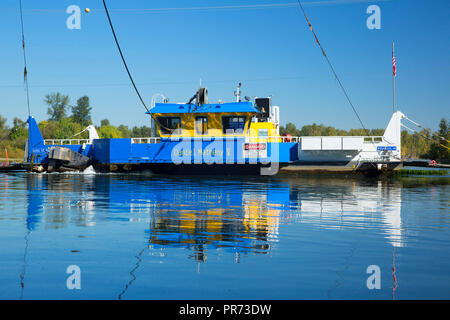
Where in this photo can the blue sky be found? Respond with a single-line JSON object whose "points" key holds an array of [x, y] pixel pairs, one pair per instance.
{"points": [[270, 49]]}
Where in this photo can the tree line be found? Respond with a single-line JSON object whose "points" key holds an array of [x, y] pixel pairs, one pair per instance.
{"points": [[65, 120], [62, 125], [419, 145]]}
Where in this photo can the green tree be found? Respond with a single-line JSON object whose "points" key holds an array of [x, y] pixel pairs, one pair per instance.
{"points": [[357, 132], [109, 132], [18, 135], [290, 128], [57, 105], [377, 132], [126, 133], [66, 128], [81, 112], [4, 132], [48, 129], [2, 123], [139, 132], [439, 148], [104, 122], [19, 123], [416, 145], [330, 131], [311, 130]]}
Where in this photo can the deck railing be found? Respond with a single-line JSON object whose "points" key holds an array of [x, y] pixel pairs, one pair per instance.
{"points": [[374, 139], [146, 140], [272, 139], [87, 141], [58, 142]]}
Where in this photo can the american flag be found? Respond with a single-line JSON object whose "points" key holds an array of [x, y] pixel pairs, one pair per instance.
{"points": [[393, 60]]}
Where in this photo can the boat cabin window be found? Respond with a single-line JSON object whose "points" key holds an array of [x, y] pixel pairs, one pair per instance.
{"points": [[233, 124], [168, 125], [201, 125]]}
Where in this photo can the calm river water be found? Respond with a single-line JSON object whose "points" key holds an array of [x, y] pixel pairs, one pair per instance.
{"points": [[142, 237]]}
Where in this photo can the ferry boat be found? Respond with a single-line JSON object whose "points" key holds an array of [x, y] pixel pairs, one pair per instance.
{"points": [[198, 137]]}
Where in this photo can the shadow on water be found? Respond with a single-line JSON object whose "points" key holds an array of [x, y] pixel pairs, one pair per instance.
{"points": [[240, 216]]}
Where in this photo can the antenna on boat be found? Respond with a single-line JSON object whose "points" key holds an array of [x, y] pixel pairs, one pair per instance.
{"points": [[237, 93]]}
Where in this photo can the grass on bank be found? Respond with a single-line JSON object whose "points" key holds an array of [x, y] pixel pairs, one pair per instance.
{"points": [[408, 172]]}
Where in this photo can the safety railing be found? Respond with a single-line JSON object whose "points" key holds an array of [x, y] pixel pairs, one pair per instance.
{"points": [[146, 140], [373, 139], [272, 139], [87, 141], [58, 142]]}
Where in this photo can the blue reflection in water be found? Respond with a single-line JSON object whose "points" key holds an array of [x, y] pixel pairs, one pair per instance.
{"points": [[35, 185], [280, 237]]}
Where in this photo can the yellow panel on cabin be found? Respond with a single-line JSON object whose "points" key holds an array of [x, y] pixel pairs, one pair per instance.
{"points": [[214, 123], [257, 129]]}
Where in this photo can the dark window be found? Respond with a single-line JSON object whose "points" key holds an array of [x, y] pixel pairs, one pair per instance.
{"points": [[201, 125], [263, 106], [168, 125], [233, 124]]}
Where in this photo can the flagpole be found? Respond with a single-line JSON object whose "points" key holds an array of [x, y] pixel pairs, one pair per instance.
{"points": [[393, 79]]}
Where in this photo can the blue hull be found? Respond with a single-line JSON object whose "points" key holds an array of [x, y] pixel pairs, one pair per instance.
{"points": [[194, 155], [182, 155]]}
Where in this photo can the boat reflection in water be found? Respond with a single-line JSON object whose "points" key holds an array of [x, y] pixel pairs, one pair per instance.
{"points": [[232, 221], [232, 214], [356, 204], [191, 235]]}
